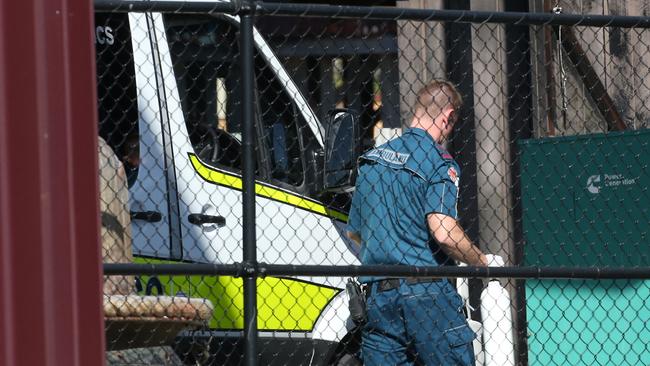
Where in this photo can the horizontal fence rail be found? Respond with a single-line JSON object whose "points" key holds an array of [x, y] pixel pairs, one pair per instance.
{"points": [[262, 270], [376, 12]]}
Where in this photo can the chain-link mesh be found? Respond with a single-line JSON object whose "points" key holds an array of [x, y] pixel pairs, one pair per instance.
{"points": [[544, 165]]}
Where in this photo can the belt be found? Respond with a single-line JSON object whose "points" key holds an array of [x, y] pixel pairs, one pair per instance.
{"points": [[393, 283]]}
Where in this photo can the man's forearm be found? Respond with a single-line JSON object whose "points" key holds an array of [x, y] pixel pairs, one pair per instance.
{"points": [[453, 240], [459, 247]]}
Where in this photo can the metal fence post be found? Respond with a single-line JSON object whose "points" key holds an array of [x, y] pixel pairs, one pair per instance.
{"points": [[248, 183]]}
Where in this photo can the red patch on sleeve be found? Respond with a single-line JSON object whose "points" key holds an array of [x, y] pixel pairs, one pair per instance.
{"points": [[453, 174]]}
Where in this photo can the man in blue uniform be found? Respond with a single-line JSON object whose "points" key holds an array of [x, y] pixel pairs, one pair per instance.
{"points": [[404, 212]]}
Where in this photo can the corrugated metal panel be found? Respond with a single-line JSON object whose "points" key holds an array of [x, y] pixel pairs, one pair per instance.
{"points": [[49, 251]]}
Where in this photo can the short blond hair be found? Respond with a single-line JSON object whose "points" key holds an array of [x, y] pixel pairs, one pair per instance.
{"points": [[435, 96]]}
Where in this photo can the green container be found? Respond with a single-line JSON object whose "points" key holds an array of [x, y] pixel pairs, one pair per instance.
{"points": [[586, 203]]}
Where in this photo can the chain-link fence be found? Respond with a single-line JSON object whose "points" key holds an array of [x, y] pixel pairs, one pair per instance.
{"points": [[229, 150]]}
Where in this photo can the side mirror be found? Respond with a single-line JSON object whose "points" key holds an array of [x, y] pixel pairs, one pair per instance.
{"points": [[341, 150]]}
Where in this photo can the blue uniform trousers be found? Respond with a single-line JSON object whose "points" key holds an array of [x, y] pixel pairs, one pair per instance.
{"points": [[416, 323]]}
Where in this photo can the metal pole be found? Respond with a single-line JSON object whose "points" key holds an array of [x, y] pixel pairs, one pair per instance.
{"points": [[377, 12], [184, 7], [456, 16], [520, 122], [280, 270], [248, 183]]}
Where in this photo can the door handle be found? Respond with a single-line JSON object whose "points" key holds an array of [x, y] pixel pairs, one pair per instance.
{"points": [[148, 216], [200, 219]]}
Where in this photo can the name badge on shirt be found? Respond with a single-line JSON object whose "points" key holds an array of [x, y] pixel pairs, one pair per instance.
{"points": [[388, 156]]}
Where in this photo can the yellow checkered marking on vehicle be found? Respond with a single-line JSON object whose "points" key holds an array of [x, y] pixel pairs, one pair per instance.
{"points": [[283, 304]]}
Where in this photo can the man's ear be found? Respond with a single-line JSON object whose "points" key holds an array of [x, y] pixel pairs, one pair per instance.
{"points": [[448, 113]]}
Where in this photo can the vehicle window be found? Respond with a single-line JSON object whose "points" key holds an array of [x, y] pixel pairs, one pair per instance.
{"points": [[116, 89], [281, 123], [204, 53], [205, 56]]}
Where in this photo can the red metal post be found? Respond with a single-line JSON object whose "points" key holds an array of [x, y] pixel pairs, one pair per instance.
{"points": [[50, 282]]}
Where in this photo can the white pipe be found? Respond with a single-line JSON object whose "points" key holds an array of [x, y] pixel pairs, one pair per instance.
{"points": [[498, 340]]}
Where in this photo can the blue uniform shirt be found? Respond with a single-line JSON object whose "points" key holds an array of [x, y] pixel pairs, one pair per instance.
{"points": [[399, 184]]}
